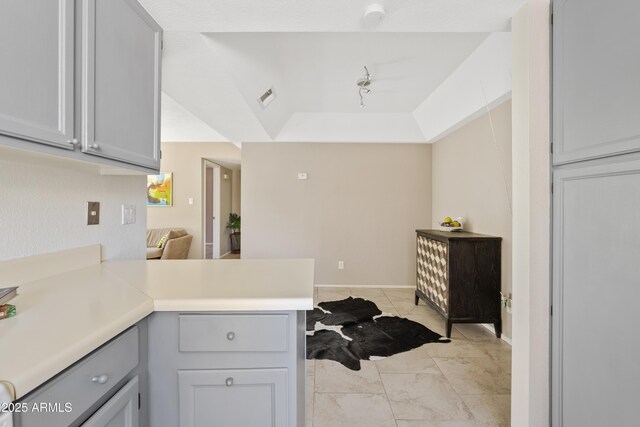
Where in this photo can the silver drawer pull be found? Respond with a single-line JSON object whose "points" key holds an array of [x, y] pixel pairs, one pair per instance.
{"points": [[100, 379], [73, 142], [94, 146], [231, 336], [229, 382]]}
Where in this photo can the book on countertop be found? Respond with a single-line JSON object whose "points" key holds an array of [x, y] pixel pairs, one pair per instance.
{"points": [[7, 310], [7, 293]]}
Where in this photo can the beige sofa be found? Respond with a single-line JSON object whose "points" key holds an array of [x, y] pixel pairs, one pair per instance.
{"points": [[176, 245]]}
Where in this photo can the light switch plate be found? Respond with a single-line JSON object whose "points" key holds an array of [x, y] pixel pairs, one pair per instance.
{"points": [[302, 175], [128, 214], [93, 213]]}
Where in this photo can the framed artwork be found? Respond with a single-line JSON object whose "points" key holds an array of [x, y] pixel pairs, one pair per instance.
{"points": [[160, 189]]}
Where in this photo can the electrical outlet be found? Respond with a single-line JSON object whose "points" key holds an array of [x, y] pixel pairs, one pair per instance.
{"points": [[340, 265], [302, 175], [93, 213]]}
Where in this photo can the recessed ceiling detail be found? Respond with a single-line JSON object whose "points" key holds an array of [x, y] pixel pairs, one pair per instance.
{"points": [[221, 58]]}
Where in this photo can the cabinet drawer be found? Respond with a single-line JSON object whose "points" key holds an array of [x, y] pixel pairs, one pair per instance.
{"points": [[234, 332], [85, 382]]}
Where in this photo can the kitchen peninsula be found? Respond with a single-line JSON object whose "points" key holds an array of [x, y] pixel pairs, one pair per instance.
{"points": [[164, 342]]}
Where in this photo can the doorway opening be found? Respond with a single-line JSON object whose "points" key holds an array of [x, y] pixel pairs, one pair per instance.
{"points": [[217, 185]]}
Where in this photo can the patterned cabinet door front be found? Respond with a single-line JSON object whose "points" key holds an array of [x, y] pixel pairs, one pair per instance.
{"points": [[432, 271]]}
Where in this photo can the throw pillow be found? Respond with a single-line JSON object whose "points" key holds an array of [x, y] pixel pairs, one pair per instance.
{"points": [[162, 241]]}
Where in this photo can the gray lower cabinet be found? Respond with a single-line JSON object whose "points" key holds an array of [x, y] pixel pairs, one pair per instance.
{"points": [[596, 289], [227, 369], [121, 54], [102, 389], [233, 397], [596, 220], [119, 411], [36, 71]]}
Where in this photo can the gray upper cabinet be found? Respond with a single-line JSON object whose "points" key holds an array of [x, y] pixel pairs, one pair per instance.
{"points": [[36, 71], [121, 53], [596, 88]]}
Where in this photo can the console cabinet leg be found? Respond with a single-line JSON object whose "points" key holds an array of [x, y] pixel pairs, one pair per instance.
{"points": [[498, 327], [449, 325]]}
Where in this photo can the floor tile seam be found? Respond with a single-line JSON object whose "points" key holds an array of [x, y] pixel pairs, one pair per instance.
{"points": [[386, 394], [351, 392]]}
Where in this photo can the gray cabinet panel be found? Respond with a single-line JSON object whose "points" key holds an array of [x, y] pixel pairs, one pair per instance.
{"points": [[121, 51], [119, 411], [85, 383], [231, 398], [233, 332], [36, 75], [173, 371], [596, 228], [596, 89]]}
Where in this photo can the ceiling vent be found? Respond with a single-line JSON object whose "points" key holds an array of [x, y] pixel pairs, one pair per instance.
{"points": [[266, 98]]}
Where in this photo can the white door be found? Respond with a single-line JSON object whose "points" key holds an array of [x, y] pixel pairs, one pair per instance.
{"points": [[211, 210]]}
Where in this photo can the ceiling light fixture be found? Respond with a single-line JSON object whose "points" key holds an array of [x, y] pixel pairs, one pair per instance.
{"points": [[373, 14], [363, 85], [266, 98]]}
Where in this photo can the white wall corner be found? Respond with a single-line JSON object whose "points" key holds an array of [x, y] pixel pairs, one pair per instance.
{"points": [[481, 82], [179, 124]]}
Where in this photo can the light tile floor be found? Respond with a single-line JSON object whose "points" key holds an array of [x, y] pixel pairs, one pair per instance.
{"points": [[466, 383]]}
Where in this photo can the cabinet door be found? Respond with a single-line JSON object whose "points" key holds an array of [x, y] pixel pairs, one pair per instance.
{"points": [[119, 411], [596, 89], [596, 229], [121, 51], [231, 398], [36, 71]]}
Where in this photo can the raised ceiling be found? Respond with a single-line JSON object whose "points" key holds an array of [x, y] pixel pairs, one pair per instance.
{"points": [[416, 16], [221, 55]]}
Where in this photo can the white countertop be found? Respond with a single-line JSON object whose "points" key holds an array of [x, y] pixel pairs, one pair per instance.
{"points": [[221, 285], [62, 318]]}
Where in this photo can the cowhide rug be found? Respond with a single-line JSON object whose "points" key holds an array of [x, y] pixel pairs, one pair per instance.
{"points": [[354, 329]]}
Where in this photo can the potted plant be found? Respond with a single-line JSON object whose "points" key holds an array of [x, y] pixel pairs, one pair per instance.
{"points": [[234, 225]]}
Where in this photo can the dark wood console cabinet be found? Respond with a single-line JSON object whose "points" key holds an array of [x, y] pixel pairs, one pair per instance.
{"points": [[458, 275]]}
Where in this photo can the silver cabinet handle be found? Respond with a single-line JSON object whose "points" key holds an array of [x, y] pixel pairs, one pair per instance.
{"points": [[231, 336], [73, 142], [100, 379], [229, 382], [94, 146]]}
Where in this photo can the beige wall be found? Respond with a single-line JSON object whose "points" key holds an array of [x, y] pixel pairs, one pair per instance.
{"points": [[530, 389], [185, 160], [361, 204], [472, 179]]}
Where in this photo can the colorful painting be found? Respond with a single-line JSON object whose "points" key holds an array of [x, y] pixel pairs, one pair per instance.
{"points": [[160, 189]]}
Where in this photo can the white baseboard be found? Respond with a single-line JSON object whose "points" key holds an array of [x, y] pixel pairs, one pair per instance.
{"points": [[503, 337], [225, 254], [322, 285]]}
